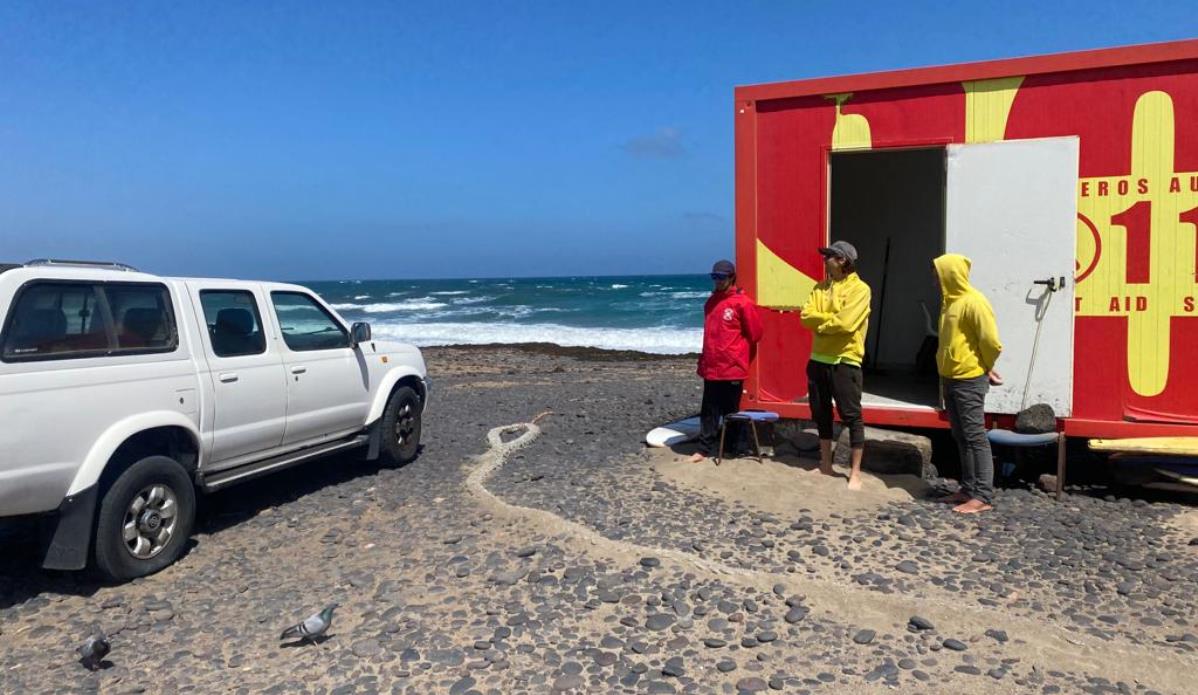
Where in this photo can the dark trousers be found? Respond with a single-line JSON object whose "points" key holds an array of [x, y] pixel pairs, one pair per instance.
{"points": [[842, 383], [965, 402], [720, 398]]}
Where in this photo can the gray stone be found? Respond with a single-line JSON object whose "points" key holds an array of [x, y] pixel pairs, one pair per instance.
{"points": [[364, 649], [567, 681], [1036, 419], [889, 452], [864, 636]]}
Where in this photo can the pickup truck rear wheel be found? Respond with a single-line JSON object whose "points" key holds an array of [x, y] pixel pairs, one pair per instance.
{"points": [[145, 518], [401, 426]]}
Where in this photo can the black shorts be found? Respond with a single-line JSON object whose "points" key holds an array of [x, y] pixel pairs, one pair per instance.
{"points": [[842, 383]]}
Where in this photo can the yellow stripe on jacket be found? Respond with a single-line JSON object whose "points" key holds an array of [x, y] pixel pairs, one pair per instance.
{"points": [[969, 344], [837, 312]]}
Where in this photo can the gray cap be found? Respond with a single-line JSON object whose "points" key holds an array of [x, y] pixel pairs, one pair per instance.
{"points": [[724, 268], [842, 249]]}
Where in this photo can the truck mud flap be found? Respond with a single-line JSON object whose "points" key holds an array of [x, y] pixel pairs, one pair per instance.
{"points": [[375, 444], [68, 534]]}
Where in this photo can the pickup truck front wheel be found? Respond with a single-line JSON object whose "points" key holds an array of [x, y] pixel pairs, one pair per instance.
{"points": [[145, 519], [401, 426]]}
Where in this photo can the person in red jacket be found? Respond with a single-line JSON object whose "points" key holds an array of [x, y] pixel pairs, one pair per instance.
{"points": [[731, 327]]}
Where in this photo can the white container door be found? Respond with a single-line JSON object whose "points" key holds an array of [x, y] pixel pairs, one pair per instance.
{"points": [[1011, 207]]}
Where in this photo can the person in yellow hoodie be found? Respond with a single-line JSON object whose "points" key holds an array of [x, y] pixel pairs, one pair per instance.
{"points": [[969, 347], [837, 312]]}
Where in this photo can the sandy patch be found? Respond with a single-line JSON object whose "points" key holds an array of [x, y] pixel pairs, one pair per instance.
{"points": [[1187, 522], [497, 384], [785, 484]]}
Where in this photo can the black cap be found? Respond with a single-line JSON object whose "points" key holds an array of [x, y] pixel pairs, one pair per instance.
{"points": [[723, 268]]}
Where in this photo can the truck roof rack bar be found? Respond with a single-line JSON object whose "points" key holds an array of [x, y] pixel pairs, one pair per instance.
{"points": [[83, 264]]}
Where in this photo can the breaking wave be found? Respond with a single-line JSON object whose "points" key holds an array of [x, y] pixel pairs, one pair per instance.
{"points": [[388, 307], [659, 340]]}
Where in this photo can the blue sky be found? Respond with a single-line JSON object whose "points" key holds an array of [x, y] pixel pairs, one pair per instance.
{"points": [[378, 140]]}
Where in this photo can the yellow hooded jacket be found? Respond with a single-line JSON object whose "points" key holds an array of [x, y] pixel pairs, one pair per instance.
{"points": [[837, 311], [969, 344]]}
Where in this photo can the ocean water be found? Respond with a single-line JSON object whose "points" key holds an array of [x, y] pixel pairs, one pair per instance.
{"points": [[648, 313]]}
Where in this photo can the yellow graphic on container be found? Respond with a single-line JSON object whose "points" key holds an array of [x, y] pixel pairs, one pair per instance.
{"points": [[779, 284], [1136, 244], [987, 105], [851, 131]]}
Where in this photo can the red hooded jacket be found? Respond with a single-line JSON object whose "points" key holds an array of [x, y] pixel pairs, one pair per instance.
{"points": [[731, 327]]}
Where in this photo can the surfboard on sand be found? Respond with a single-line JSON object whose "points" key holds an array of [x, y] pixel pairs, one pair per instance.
{"points": [[674, 433], [1161, 446], [1179, 476]]}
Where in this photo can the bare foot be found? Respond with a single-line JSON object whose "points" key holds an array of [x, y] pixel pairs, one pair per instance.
{"points": [[972, 507], [956, 498], [854, 482], [698, 457]]}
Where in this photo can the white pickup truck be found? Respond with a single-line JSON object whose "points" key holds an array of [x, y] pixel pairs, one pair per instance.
{"points": [[123, 394]]}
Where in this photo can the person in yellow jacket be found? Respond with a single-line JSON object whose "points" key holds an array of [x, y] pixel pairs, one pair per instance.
{"points": [[969, 348], [837, 312]]}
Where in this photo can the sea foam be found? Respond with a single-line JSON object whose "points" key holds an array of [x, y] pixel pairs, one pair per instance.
{"points": [[660, 340]]}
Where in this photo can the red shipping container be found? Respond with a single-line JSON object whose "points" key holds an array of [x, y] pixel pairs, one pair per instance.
{"points": [[1081, 167]]}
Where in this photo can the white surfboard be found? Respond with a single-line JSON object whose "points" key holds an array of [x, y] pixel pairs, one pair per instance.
{"points": [[1178, 476], [674, 433]]}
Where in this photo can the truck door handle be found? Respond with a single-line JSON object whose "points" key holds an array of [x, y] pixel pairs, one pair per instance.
{"points": [[298, 370], [227, 378]]}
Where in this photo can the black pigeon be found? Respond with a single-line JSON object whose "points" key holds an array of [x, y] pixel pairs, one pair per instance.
{"points": [[93, 651], [313, 626]]}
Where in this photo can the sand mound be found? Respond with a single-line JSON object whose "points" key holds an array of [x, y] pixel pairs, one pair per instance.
{"points": [[785, 484]]}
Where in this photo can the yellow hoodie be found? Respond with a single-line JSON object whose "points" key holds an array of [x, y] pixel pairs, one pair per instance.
{"points": [[837, 311], [969, 344]]}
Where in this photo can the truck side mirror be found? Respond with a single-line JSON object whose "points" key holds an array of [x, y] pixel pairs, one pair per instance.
{"points": [[360, 333]]}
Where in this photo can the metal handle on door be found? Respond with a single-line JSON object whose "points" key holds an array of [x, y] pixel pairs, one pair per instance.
{"points": [[227, 378], [298, 370], [1053, 284]]}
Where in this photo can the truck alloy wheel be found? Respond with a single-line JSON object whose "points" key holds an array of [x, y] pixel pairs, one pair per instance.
{"points": [[150, 521], [401, 426], [145, 519]]}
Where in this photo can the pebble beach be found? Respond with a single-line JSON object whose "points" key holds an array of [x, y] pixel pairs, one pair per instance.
{"points": [[565, 556]]}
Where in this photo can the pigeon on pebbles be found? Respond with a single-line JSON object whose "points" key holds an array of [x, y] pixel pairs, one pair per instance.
{"points": [[93, 651], [313, 626]]}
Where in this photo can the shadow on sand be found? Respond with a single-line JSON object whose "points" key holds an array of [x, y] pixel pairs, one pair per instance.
{"points": [[22, 579]]}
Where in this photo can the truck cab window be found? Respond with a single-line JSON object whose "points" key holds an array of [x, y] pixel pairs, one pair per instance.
{"points": [[55, 321], [143, 317], [306, 325], [234, 324]]}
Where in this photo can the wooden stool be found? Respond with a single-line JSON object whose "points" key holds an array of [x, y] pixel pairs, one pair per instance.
{"points": [[1018, 440], [752, 417]]}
